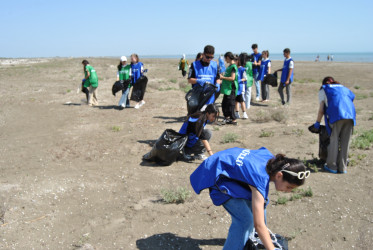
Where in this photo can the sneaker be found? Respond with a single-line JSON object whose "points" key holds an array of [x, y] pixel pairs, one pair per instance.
{"points": [[187, 157], [137, 106], [245, 115], [200, 157], [238, 115], [329, 170], [231, 122], [141, 103], [257, 99]]}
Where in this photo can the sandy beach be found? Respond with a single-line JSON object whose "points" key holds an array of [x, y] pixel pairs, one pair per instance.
{"points": [[72, 176]]}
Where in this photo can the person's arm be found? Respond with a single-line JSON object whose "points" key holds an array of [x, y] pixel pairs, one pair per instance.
{"points": [[118, 76], [207, 146], [320, 114], [288, 78], [230, 78], [269, 68], [88, 74], [192, 75], [257, 204]]}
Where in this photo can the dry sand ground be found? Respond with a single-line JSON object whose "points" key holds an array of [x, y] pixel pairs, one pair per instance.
{"points": [[70, 179]]}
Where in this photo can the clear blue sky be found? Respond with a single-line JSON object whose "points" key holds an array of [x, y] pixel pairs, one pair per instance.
{"points": [[48, 28]]}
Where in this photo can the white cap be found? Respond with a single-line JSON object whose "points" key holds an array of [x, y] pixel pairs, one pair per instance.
{"points": [[123, 59]]}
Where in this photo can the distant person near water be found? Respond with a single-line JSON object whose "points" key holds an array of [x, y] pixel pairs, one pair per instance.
{"points": [[317, 58], [183, 65], [336, 105], [124, 73], [91, 83], [257, 60], [286, 77], [238, 179]]}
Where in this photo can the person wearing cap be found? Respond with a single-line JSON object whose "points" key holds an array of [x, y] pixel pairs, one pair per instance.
{"points": [[183, 65], [124, 73]]}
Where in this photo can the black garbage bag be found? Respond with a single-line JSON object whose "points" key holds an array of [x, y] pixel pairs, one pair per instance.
{"points": [[85, 90], [271, 79], [324, 140], [255, 243], [139, 88], [120, 85], [198, 96], [168, 148]]}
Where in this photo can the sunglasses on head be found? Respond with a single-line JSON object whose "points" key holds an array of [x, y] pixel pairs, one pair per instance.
{"points": [[300, 175]]}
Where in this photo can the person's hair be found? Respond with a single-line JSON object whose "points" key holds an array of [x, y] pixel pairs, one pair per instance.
{"points": [[85, 62], [120, 65], [137, 57], [202, 117], [199, 56], [254, 46], [287, 50], [209, 49], [329, 80], [265, 52], [229, 55], [242, 59], [280, 162]]}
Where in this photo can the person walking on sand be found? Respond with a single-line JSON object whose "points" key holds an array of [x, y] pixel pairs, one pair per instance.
{"points": [[137, 70], [124, 73], [238, 179], [228, 88], [265, 68], [257, 60], [205, 71], [90, 82], [336, 105], [198, 136], [183, 65], [286, 77]]}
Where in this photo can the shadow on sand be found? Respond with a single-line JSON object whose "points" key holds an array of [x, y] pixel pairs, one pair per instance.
{"points": [[168, 241], [172, 119]]}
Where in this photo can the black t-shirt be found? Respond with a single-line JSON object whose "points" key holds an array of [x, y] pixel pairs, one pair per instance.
{"points": [[192, 129], [192, 72]]}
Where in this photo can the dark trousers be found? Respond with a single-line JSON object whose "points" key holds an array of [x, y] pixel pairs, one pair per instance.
{"points": [[199, 148], [265, 91], [228, 105]]}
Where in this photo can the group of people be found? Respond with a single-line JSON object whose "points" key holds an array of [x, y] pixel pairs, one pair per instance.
{"points": [[131, 72], [238, 178]]}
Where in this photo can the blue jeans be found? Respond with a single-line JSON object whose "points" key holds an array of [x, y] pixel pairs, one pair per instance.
{"points": [[124, 98], [247, 97], [257, 84], [242, 223]]}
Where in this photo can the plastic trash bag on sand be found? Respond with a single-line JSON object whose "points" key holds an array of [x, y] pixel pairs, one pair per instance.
{"points": [[168, 148]]}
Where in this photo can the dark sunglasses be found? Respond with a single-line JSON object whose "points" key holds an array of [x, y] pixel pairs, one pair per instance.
{"points": [[209, 57]]}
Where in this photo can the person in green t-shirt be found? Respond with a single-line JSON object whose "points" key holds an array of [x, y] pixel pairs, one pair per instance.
{"points": [[229, 87], [124, 73], [90, 82]]}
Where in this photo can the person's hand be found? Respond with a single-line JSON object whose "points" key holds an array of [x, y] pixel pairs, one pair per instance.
{"points": [[317, 125], [287, 82], [201, 82], [221, 76]]}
